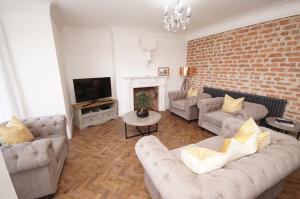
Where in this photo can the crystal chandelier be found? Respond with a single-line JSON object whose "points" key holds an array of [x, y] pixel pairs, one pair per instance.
{"points": [[176, 17]]}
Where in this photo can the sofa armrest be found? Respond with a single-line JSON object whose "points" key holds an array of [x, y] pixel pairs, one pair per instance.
{"points": [[164, 169], [192, 101], [47, 126], [209, 105], [230, 127], [176, 95], [256, 111], [29, 155]]}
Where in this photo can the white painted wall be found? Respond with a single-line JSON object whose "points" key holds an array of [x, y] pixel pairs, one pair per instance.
{"points": [[116, 53], [63, 76], [129, 60], [30, 40], [87, 54]]}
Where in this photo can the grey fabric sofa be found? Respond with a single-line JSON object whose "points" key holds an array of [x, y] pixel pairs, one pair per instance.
{"points": [[211, 116], [35, 167], [183, 106], [260, 175]]}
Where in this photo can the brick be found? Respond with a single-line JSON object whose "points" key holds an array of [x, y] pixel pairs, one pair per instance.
{"points": [[264, 59]]}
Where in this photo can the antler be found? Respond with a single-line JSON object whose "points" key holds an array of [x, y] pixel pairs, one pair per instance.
{"points": [[140, 44], [155, 48], [148, 50]]}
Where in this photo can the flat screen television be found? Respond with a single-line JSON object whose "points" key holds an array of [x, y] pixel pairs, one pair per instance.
{"points": [[90, 89]]}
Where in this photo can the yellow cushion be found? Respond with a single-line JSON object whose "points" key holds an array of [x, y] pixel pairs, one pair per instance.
{"points": [[15, 132], [231, 105], [263, 140], [202, 160], [192, 92], [15, 122], [243, 143]]}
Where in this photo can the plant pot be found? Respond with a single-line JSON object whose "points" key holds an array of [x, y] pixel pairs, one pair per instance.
{"points": [[142, 112]]}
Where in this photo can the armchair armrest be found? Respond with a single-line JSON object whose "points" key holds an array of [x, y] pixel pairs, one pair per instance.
{"points": [[47, 126], [256, 111], [164, 169], [29, 155], [209, 105], [177, 95], [191, 101], [230, 126]]}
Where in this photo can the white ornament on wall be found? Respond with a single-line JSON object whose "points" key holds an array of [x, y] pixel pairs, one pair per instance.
{"points": [[148, 52]]}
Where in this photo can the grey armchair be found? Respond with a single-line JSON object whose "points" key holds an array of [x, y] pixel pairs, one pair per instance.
{"points": [[211, 116], [35, 167], [184, 106]]}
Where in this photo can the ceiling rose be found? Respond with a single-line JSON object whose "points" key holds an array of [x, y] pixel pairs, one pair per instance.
{"points": [[176, 17]]}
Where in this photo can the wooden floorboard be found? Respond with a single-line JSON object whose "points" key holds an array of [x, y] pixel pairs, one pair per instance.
{"points": [[102, 164]]}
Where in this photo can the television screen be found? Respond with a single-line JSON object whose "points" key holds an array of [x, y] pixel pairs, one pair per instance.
{"points": [[91, 88]]}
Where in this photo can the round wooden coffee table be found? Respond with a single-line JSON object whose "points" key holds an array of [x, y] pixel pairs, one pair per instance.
{"points": [[133, 120], [296, 129]]}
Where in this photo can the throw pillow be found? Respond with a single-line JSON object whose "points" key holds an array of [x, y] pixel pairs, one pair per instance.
{"points": [[243, 143], [263, 140], [15, 122], [192, 93], [15, 132], [202, 160], [231, 105]]}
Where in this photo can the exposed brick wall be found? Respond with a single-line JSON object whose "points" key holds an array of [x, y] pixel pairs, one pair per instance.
{"points": [[261, 59]]}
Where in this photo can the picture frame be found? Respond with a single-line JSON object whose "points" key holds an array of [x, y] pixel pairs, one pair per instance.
{"points": [[163, 71]]}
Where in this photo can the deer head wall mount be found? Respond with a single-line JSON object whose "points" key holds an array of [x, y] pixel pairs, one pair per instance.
{"points": [[148, 52]]}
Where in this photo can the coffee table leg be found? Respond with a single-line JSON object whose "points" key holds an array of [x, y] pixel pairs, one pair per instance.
{"points": [[298, 135], [126, 130], [148, 130], [156, 127]]}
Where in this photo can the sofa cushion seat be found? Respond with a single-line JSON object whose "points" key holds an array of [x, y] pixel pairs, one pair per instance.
{"points": [[179, 104], [216, 117]]}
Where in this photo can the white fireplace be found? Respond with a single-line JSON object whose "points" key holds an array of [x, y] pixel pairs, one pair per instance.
{"points": [[141, 82]]}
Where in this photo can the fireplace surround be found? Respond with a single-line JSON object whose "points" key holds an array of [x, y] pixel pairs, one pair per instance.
{"points": [[144, 82]]}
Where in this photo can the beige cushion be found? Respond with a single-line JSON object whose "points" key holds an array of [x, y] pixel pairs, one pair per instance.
{"points": [[231, 105], [179, 104], [263, 140], [216, 117], [192, 93]]}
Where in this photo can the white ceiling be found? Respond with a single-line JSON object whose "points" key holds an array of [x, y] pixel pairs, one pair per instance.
{"points": [[148, 13]]}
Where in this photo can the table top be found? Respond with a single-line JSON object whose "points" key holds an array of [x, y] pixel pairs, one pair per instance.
{"points": [[131, 119], [271, 122]]}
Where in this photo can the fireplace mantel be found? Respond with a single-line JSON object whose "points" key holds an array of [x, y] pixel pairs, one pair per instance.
{"points": [[145, 81]]}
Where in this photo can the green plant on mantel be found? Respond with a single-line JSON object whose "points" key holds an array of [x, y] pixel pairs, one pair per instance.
{"points": [[143, 100]]}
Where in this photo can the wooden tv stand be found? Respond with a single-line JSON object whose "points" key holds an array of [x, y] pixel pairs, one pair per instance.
{"points": [[95, 112]]}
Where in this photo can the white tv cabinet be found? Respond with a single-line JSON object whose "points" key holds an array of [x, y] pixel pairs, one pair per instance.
{"points": [[93, 113]]}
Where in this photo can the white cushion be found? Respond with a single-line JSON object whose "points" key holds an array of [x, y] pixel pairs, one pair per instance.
{"points": [[202, 160]]}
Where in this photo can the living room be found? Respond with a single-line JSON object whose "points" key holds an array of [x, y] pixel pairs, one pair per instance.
{"points": [[90, 89]]}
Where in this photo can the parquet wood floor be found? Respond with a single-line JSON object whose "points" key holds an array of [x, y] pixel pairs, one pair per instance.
{"points": [[102, 164]]}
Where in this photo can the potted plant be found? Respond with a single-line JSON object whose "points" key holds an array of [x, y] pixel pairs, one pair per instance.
{"points": [[143, 103]]}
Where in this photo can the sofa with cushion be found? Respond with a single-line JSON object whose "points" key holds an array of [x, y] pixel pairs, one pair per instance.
{"points": [[211, 116], [260, 175], [184, 106], [35, 166]]}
